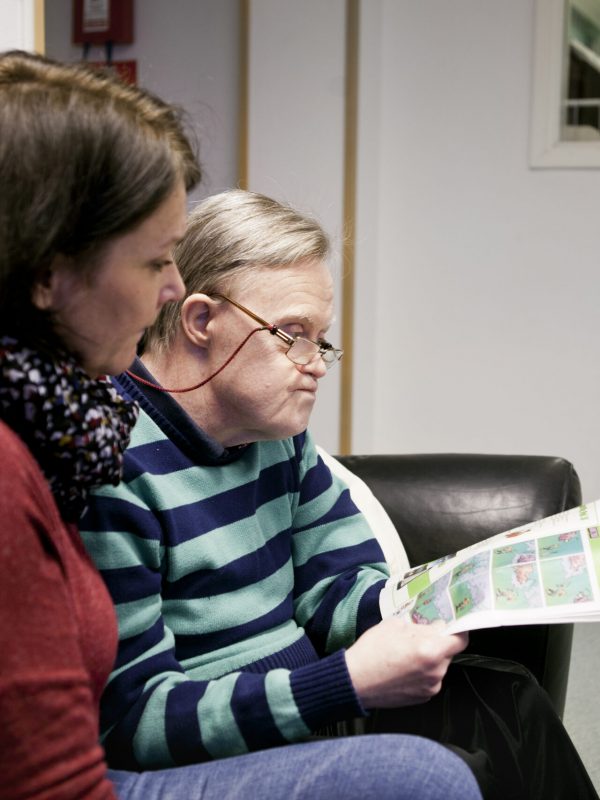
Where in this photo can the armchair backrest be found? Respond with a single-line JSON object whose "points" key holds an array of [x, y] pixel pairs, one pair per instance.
{"points": [[442, 501]]}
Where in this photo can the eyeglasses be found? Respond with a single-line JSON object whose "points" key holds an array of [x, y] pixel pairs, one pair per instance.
{"points": [[300, 350]]}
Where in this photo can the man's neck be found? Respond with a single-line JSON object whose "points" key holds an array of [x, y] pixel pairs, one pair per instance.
{"points": [[172, 370]]}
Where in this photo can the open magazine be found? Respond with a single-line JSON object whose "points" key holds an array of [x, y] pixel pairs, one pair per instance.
{"points": [[545, 571]]}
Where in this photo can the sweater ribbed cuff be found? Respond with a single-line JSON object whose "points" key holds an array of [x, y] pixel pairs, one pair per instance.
{"points": [[324, 693]]}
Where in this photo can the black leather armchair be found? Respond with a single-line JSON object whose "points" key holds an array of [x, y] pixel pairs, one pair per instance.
{"points": [[442, 503]]}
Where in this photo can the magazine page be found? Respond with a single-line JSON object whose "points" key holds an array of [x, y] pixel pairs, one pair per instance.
{"points": [[545, 571]]}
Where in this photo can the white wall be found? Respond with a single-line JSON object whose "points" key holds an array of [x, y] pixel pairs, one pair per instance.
{"points": [[16, 24], [488, 276], [187, 52], [296, 134]]}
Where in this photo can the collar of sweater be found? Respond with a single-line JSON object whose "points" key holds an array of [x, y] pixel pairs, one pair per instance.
{"points": [[174, 421]]}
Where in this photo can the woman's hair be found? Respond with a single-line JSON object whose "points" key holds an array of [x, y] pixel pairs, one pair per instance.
{"points": [[84, 157], [232, 234]]}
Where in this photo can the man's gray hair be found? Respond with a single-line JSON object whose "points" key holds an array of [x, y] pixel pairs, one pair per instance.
{"points": [[229, 235]]}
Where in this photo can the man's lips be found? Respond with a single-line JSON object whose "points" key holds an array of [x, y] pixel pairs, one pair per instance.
{"points": [[312, 389]]}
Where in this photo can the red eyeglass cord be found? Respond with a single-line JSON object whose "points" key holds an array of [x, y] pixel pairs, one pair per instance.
{"points": [[160, 388]]}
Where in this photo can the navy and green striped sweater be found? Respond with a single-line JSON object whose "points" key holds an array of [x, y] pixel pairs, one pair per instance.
{"points": [[238, 578]]}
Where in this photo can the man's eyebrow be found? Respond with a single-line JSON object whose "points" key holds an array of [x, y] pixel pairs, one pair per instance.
{"points": [[298, 318], [303, 319]]}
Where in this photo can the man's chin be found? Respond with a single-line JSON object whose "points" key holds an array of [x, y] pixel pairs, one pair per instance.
{"points": [[294, 429]]}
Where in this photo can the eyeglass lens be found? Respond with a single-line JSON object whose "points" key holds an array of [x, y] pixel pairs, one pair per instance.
{"points": [[302, 351]]}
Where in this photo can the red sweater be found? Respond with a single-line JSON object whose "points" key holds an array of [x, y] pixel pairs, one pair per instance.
{"points": [[57, 643]]}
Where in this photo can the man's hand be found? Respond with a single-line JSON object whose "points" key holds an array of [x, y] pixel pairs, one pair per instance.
{"points": [[397, 663]]}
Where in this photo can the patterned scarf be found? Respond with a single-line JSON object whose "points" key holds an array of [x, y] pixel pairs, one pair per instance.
{"points": [[76, 427]]}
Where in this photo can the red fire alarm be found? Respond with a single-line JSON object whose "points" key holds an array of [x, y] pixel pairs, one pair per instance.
{"points": [[102, 21]]}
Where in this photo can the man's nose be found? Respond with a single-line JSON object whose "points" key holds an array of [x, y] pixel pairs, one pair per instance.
{"points": [[316, 366]]}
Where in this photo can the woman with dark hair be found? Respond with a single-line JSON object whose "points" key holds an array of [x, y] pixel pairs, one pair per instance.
{"points": [[94, 177]]}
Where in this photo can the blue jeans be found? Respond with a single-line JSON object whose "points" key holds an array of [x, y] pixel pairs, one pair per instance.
{"points": [[382, 766]]}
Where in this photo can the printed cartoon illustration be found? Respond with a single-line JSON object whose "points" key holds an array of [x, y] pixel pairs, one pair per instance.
{"points": [[518, 552], [562, 544], [469, 587], [523, 572], [566, 579], [514, 534], [557, 591], [566, 537], [507, 595], [515, 576], [412, 573], [433, 603]]}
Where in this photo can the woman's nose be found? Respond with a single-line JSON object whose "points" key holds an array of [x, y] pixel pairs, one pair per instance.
{"points": [[174, 288]]}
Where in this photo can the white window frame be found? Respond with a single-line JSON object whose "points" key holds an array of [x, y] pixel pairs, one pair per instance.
{"points": [[547, 150]]}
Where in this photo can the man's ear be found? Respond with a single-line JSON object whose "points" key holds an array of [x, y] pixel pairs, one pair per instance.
{"points": [[196, 314], [45, 291]]}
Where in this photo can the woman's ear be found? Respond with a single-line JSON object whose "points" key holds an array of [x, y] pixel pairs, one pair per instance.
{"points": [[46, 291], [41, 294], [196, 313]]}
